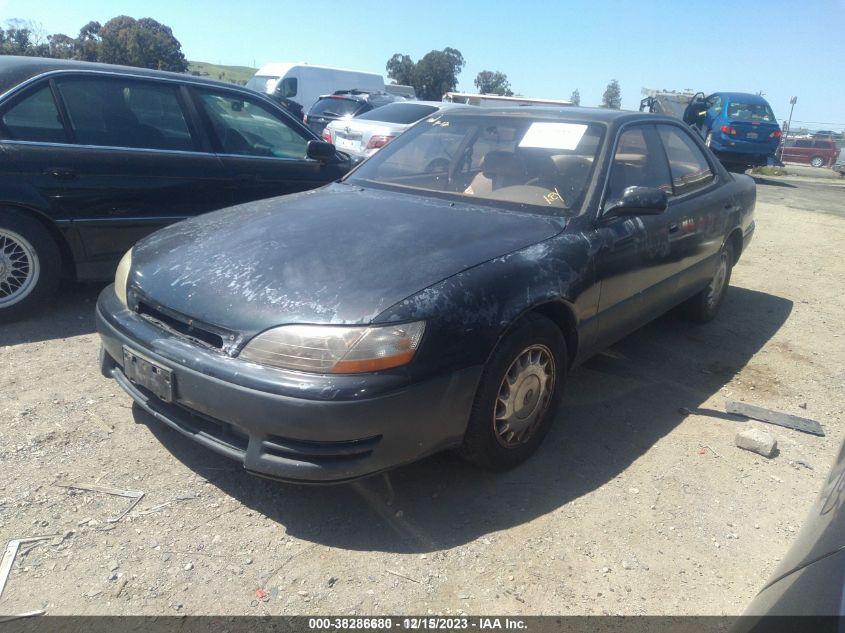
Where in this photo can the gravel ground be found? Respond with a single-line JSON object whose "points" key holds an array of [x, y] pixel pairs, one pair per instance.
{"points": [[632, 505]]}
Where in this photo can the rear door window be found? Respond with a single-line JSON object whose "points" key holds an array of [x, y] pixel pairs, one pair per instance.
{"points": [[687, 163], [125, 113], [35, 118], [247, 128]]}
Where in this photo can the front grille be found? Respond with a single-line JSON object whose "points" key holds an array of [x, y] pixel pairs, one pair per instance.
{"points": [[175, 323]]}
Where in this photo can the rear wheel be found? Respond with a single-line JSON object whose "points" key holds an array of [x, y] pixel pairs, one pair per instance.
{"points": [[518, 396], [704, 306], [817, 161], [30, 263]]}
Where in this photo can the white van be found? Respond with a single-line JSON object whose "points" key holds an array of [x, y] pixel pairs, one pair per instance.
{"points": [[304, 83]]}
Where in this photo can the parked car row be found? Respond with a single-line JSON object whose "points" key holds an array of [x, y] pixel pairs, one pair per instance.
{"points": [[96, 156]]}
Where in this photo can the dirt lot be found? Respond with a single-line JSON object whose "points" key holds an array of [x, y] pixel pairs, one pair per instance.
{"points": [[631, 506]]}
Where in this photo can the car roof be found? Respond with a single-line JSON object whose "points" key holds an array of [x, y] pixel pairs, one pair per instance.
{"points": [[746, 97], [16, 69], [564, 113]]}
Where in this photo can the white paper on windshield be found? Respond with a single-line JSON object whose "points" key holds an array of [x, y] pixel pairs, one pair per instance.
{"points": [[553, 135]]}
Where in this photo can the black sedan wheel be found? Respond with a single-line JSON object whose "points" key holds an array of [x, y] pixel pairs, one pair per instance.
{"points": [[518, 396], [704, 306], [29, 265]]}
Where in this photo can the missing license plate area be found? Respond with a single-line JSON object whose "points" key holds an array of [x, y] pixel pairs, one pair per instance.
{"points": [[145, 373]]}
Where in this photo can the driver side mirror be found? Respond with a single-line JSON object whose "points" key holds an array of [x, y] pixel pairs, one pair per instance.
{"points": [[320, 150], [637, 201]]}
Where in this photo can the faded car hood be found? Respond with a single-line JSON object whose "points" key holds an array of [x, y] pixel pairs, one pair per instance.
{"points": [[339, 254]]}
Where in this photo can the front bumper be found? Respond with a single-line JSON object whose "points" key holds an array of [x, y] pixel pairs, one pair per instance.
{"points": [[285, 425]]}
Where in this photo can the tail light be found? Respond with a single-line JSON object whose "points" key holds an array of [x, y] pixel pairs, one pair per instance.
{"points": [[327, 135], [377, 141], [727, 129], [776, 134]]}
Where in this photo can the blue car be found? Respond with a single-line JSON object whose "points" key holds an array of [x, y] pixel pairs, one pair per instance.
{"points": [[739, 128]]}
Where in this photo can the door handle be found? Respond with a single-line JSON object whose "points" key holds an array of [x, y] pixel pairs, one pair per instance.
{"points": [[673, 228], [60, 173]]}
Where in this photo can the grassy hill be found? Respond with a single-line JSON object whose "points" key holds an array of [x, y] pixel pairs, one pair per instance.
{"points": [[233, 74]]}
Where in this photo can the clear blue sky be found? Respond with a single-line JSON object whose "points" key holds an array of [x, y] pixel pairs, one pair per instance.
{"points": [[547, 49]]}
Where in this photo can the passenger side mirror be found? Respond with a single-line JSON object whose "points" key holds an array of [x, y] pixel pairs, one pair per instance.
{"points": [[320, 150], [638, 201]]}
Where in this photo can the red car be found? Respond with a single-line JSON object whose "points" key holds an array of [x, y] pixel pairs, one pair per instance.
{"points": [[817, 152]]}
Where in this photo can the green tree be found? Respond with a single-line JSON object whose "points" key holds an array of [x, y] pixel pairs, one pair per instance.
{"points": [[432, 76], [23, 37], [61, 46], [612, 97], [575, 97], [401, 69], [493, 82], [87, 44], [145, 43]]}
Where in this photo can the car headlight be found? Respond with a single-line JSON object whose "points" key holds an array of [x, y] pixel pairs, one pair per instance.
{"points": [[336, 349], [121, 277]]}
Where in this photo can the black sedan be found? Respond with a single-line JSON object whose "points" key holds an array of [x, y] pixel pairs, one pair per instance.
{"points": [[94, 157], [435, 298]]}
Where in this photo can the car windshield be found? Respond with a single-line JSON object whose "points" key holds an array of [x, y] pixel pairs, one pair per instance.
{"points": [[334, 106], [750, 112], [403, 113], [262, 83], [542, 164]]}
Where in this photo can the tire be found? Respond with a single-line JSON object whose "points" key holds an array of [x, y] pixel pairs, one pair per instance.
{"points": [[817, 161], [30, 265], [528, 367], [704, 306]]}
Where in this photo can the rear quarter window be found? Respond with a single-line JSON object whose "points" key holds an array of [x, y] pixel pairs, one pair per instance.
{"points": [[34, 118]]}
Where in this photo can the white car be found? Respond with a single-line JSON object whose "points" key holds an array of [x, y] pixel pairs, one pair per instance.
{"points": [[365, 134]]}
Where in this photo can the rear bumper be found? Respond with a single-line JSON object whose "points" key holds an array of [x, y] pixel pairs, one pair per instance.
{"points": [[236, 409], [749, 151]]}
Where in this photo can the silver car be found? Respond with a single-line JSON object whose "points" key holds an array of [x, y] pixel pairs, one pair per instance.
{"points": [[365, 134]]}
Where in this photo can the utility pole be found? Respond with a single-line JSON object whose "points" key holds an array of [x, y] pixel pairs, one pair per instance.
{"points": [[792, 103]]}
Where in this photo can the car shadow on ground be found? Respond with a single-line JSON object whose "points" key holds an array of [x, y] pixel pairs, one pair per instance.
{"points": [[774, 183], [70, 312], [618, 405]]}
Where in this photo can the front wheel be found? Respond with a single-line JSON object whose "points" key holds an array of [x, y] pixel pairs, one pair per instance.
{"points": [[704, 306], [817, 161], [518, 396], [29, 265]]}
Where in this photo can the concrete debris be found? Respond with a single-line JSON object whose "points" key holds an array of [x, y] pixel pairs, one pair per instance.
{"points": [[757, 441]]}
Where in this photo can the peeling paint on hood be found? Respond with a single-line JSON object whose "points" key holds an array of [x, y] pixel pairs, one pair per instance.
{"points": [[340, 254]]}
